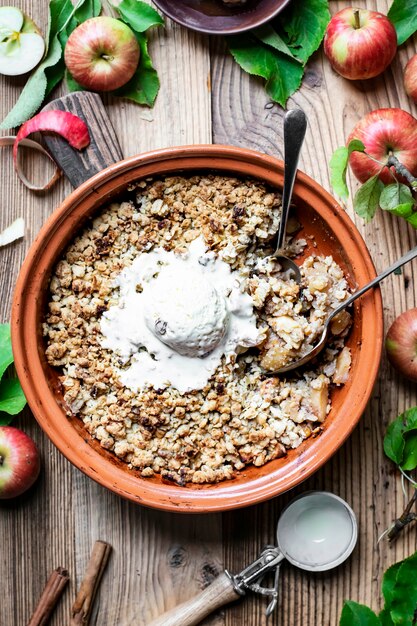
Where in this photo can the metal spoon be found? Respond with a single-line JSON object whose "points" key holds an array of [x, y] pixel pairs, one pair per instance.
{"points": [[322, 341], [295, 125]]}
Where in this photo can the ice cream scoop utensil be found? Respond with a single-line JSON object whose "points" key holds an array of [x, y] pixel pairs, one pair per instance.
{"points": [[323, 339], [295, 125], [316, 532]]}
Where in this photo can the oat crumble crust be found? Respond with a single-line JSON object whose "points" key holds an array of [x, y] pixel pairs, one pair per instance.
{"points": [[241, 417]]}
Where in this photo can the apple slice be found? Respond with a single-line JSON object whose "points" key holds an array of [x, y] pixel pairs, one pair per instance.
{"points": [[21, 55], [11, 20], [21, 44]]}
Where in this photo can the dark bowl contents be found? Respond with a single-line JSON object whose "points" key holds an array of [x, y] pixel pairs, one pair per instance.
{"points": [[221, 17]]}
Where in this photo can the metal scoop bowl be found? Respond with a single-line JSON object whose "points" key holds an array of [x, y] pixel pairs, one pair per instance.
{"points": [[317, 531]]}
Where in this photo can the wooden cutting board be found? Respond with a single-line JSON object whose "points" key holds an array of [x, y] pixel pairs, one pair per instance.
{"points": [[104, 148]]}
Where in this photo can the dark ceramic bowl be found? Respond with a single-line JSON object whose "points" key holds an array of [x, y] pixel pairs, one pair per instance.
{"points": [[214, 18]]}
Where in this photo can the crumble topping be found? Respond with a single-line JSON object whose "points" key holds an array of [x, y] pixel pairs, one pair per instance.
{"points": [[241, 416]]}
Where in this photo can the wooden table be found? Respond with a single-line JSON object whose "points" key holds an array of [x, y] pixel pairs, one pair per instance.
{"points": [[160, 559]]}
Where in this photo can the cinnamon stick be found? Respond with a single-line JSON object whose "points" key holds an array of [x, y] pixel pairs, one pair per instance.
{"points": [[50, 596], [81, 609]]}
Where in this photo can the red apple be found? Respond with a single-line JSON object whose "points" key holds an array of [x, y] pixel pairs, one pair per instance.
{"points": [[401, 344], [102, 54], [410, 78], [19, 462], [384, 132], [360, 43]]}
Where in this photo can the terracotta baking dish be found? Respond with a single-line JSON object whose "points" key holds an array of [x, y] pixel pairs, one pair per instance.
{"points": [[327, 229]]}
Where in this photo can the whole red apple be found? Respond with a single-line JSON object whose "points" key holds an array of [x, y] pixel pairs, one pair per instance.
{"points": [[360, 43], [384, 132], [410, 78], [102, 54], [19, 462], [401, 344]]}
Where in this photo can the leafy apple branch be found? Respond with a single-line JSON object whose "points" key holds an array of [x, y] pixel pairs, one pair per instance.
{"points": [[402, 170], [400, 445], [397, 198], [406, 517], [398, 586]]}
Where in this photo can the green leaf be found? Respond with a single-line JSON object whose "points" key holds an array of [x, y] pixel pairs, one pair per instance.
{"points": [[305, 23], [403, 14], [283, 74], [143, 87], [394, 195], [6, 354], [54, 75], [338, 166], [59, 13], [398, 200], [72, 84], [36, 88], [366, 200], [403, 605], [88, 9], [394, 441], [388, 582], [354, 614], [139, 15], [407, 212], [400, 441], [285, 80], [270, 37], [388, 585], [410, 451], [12, 398], [272, 53]]}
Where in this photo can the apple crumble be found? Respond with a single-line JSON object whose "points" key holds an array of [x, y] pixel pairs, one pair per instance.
{"points": [[184, 426]]}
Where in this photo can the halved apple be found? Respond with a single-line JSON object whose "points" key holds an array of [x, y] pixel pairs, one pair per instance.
{"points": [[21, 43]]}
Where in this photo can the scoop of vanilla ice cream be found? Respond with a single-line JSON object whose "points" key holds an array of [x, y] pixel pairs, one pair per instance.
{"points": [[185, 311]]}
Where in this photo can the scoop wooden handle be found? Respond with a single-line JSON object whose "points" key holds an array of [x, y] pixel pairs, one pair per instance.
{"points": [[192, 612], [104, 149]]}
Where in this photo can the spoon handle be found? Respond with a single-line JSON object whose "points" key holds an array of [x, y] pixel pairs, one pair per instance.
{"points": [[402, 261], [295, 125]]}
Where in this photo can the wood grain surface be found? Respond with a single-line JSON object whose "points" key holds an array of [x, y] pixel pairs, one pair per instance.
{"points": [[160, 559]]}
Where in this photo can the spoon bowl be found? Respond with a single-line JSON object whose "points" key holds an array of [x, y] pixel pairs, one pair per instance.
{"points": [[323, 339]]}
